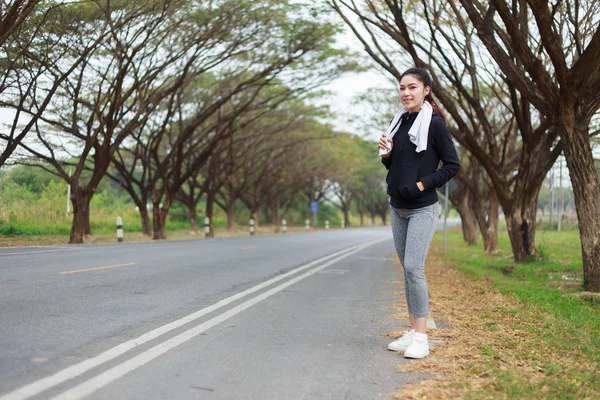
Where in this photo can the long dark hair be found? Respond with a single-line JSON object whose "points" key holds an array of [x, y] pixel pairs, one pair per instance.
{"points": [[423, 76]]}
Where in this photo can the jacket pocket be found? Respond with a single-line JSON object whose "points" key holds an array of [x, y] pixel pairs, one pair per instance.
{"points": [[407, 183]]}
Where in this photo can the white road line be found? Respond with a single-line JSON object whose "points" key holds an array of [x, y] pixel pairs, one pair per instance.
{"points": [[94, 384], [96, 268], [35, 252], [75, 370], [39, 246]]}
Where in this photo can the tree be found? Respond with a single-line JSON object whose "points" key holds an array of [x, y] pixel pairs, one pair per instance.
{"points": [[190, 196], [37, 58], [351, 155], [269, 159], [12, 15], [490, 118], [371, 196], [463, 198], [551, 54], [114, 91]]}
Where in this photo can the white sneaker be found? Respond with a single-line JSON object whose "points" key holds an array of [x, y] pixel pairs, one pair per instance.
{"points": [[418, 348], [402, 343]]}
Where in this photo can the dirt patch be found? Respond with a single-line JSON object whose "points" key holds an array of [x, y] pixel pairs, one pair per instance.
{"points": [[492, 341], [589, 296]]}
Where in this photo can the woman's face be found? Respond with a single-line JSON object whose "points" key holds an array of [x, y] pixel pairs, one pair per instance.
{"points": [[412, 93]]}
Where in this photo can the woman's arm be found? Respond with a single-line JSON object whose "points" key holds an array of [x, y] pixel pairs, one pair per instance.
{"points": [[442, 142], [387, 162], [383, 144]]}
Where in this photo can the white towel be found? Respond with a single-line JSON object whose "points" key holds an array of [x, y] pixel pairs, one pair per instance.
{"points": [[419, 131]]}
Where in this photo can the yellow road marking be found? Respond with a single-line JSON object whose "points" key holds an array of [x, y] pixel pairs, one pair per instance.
{"points": [[94, 269]]}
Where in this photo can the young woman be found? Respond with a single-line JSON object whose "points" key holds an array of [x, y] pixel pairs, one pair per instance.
{"points": [[412, 148]]}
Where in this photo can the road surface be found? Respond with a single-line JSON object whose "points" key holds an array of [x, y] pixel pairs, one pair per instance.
{"points": [[294, 316]]}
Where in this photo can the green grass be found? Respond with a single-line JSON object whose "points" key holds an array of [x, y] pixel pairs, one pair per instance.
{"points": [[98, 227], [574, 323]]}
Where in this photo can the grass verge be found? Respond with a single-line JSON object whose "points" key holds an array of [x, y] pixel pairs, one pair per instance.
{"points": [[517, 331]]}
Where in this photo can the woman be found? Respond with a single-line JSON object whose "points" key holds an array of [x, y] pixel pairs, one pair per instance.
{"points": [[412, 148]]}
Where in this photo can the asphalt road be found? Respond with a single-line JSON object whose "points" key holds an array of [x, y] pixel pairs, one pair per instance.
{"points": [[295, 316]]}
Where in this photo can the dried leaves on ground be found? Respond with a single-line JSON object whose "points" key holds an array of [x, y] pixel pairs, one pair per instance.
{"points": [[494, 347]]}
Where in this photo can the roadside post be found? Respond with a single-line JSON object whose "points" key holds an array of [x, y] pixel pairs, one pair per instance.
{"points": [[446, 195], [119, 229]]}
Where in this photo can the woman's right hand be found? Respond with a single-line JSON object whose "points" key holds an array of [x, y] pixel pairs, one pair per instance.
{"points": [[382, 145]]}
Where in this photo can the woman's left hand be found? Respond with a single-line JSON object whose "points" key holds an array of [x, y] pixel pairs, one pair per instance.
{"points": [[420, 186]]}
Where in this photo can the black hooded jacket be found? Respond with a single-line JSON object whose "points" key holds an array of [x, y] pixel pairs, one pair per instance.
{"points": [[407, 167]]}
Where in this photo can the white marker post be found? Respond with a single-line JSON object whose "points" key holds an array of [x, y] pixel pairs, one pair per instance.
{"points": [[119, 229], [343, 224], [251, 227], [307, 223], [284, 226], [206, 227], [327, 224]]}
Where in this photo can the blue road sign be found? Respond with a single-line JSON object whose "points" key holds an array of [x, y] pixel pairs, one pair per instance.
{"points": [[314, 206]]}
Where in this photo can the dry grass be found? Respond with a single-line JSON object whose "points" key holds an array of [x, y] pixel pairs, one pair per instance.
{"points": [[493, 342], [593, 297]]}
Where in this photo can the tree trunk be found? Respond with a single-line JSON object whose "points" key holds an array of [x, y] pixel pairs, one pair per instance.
{"points": [[521, 222], [254, 216], [190, 202], [193, 218], [383, 216], [81, 214], [230, 216], [490, 228], [460, 199], [517, 229], [160, 217], [209, 212], [140, 201], [362, 218], [469, 225], [275, 214], [347, 218], [586, 189], [520, 206], [145, 217]]}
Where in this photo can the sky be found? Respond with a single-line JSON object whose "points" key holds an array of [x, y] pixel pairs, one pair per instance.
{"points": [[346, 88], [344, 91]]}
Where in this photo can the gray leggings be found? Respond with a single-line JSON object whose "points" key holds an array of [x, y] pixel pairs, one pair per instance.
{"points": [[413, 231]]}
